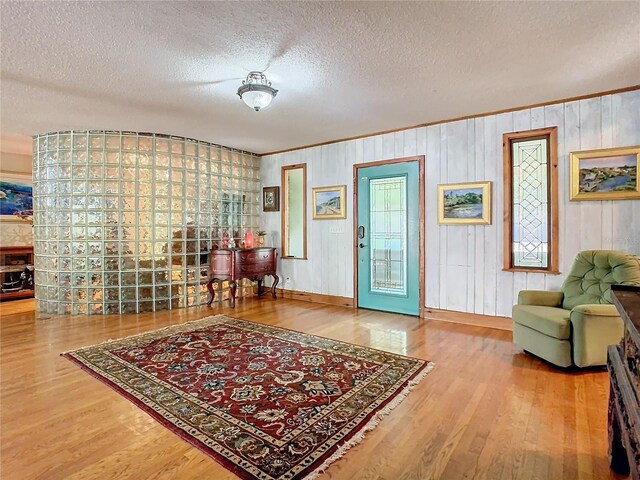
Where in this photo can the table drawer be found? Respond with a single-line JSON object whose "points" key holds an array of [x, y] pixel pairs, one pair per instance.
{"points": [[258, 255], [255, 268]]}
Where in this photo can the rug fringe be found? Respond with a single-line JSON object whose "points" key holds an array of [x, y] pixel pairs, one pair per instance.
{"points": [[371, 424], [175, 327]]}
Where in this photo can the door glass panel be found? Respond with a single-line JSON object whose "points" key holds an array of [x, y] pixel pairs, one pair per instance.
{"points": [[388, 235]]}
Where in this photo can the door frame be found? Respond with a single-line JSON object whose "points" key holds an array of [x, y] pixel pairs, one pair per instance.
{"points": [[421, 225]]}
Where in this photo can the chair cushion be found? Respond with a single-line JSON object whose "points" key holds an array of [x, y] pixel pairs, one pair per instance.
{"points": [[551, 349], [592, 274], [551, 321]]}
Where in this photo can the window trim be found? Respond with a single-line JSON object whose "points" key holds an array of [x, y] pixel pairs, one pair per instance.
{"points": [[551, 134]]}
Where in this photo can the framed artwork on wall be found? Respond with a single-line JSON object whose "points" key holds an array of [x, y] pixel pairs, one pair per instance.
{"points": [[16, 197], [464, 203], [329, 202], [606, 174], [271, 199]]}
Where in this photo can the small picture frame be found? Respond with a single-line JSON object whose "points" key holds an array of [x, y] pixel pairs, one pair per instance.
{"points": [[605, 174], [16, 192], [464, 204], [329, 202], [271, 199]]}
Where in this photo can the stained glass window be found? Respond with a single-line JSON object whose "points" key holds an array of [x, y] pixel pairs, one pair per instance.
{"points": [[531, 200], [530, 239]]}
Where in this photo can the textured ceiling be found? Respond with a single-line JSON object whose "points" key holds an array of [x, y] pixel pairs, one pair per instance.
{"points": [[343, 68]]}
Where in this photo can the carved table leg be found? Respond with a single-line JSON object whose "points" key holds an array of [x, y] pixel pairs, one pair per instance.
{"points": [[211, 291], [618, 459], [232, 293], [273, 287], [260, 287]]}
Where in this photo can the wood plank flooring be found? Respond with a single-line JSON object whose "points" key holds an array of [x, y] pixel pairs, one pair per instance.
{"points": [[487, 411]]}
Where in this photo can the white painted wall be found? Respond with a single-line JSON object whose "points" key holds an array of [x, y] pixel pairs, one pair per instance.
{"points": [[464, 263], [15, 162]]}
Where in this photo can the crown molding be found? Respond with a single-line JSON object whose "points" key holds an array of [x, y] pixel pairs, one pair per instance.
{"points": [[456, 119]]}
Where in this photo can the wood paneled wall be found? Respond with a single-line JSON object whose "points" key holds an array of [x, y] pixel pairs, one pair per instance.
{"points": [[464, 263]]}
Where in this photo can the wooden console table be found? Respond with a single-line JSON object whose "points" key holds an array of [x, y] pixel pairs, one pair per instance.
{"points": [[623, 363], [252, 263]]}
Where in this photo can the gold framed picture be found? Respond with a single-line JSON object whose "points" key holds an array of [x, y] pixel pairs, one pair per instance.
{"points": [[605, 174], [464, 203], [329, 202]]}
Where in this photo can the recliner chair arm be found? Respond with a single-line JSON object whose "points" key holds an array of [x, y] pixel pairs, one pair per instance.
{"points": [[596, 309], [593, 328], [542, 298]]}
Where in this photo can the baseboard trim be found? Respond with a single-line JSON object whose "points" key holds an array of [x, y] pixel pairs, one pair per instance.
{"points": [[475, 319], [316, 297]]}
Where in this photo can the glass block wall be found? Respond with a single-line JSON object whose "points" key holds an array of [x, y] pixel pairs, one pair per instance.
{"points": [[121, 219]]}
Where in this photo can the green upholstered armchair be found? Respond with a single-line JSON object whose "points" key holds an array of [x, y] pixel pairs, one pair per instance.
{"points": [[575, 326]]}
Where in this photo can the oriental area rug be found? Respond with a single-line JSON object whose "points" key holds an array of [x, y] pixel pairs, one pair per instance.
{"points": [[265, 402]]}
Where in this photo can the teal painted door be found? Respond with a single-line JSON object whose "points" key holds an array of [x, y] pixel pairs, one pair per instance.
{"points": [[388, 238]]}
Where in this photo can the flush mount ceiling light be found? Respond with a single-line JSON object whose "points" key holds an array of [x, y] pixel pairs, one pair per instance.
{"points": [[256, 91]]}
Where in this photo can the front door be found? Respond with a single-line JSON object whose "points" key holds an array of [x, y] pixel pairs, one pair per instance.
{"points": [[388, 237]]}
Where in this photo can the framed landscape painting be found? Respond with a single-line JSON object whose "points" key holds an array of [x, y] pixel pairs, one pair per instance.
{"points": [[271, 199], [16, 197], [607, 174], [329, 202], [464, 203]]}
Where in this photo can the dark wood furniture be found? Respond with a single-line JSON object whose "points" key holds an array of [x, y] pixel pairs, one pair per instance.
{"points": [[623, 363], [16, 272], [252, 263]]}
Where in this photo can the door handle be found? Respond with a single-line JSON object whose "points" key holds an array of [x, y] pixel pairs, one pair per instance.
{"points": [[362, 245], [361, 232]]}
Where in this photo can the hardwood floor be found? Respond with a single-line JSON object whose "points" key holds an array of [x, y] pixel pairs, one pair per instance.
{"points": [[487, 411]]}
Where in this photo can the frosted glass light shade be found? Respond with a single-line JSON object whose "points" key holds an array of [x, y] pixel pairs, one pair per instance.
{"points": [[257, 100], [256, 91]]}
